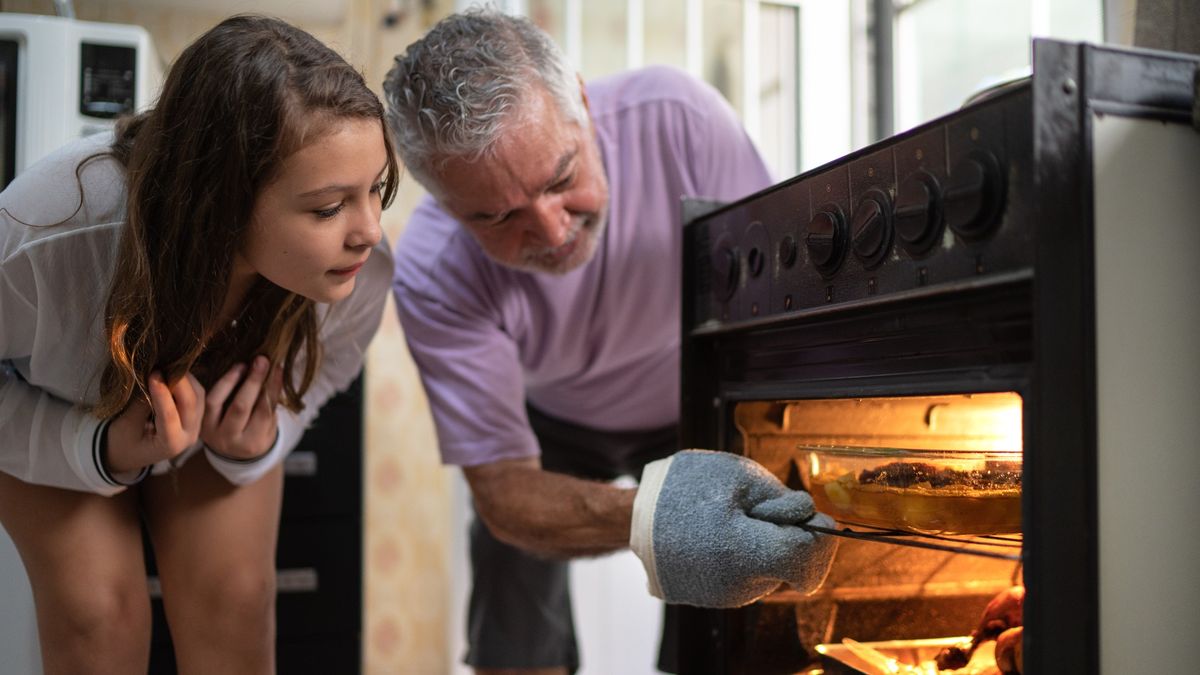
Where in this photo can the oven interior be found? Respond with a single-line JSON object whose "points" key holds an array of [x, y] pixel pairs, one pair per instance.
{"points": [[926, 578]]}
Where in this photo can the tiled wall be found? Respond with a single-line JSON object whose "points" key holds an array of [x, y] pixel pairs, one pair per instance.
{"points": [[407, 490]]}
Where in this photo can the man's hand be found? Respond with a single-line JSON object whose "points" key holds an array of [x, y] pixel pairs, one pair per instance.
{"points": [[142, 435], [246, 428], [715, 529]]}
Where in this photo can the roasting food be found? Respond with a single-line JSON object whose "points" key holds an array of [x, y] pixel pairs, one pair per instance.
{"points": [[902, 657], [1009, 651], [921, 496], [993, 648], [1001, 621]]}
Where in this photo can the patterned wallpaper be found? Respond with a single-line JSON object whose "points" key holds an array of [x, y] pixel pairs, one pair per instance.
{"points": [[407, 507]]}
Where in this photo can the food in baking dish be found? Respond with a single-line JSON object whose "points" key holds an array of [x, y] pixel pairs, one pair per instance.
{"points": [[925, 491]]}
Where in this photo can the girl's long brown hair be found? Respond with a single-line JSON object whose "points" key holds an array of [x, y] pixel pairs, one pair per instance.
{"points": [[236, 103]]}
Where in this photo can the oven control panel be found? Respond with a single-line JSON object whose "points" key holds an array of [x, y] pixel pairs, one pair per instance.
{"points": [[944, 204]]}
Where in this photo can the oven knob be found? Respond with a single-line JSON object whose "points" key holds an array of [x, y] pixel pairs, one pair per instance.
{"points": [[787, 251], [871, 229], [755, 260], [725, 272], [826, 240], [974, 194], [918, 213]]}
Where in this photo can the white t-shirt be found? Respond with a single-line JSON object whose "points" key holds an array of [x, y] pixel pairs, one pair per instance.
{"points": [[54, 284]]}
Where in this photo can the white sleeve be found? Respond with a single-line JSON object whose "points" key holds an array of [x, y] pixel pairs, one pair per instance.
{"points": [[33, 423], [345, 334], [53, 244]]}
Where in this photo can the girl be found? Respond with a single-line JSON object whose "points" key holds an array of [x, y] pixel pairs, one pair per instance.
{"points": [[177, 300]]}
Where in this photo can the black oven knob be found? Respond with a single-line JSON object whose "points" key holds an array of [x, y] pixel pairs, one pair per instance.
{"points": [[787, 251], [754, 262], [871, 229], [826, 240], [918, 213], [725, 272], [974, 195]]}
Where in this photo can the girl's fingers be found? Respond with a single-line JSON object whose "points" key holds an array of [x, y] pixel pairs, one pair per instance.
{"points": [[166, 415], [263, 419], [214, 403], [189, 401], [239, 411]]}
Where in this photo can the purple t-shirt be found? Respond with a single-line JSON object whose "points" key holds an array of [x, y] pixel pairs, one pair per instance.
{"points": [[598, 346]]}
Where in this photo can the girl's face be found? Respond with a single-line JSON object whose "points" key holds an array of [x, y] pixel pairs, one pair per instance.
{"points": [[313, 227]]}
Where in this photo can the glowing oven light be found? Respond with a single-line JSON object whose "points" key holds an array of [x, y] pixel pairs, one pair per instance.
{"points": [[992, 421]]}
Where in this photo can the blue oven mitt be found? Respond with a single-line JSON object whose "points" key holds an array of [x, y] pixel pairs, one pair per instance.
{"points": [[714, 529]]}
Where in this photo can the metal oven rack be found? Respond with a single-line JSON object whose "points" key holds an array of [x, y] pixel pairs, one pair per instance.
{"points": [[1002, 547]]}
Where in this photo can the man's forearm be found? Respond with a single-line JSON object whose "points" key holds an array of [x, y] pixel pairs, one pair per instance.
{"points": [[551, 514]]}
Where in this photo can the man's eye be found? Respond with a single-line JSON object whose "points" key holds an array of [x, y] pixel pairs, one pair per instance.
{"points": [[331, 212], [563, 184]]}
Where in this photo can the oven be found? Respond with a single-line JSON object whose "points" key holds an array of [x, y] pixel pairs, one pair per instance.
{"points": [[1003, 301]]}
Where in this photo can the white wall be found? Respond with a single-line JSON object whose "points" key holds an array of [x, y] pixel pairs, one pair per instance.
{"points": [[617, 622], [18, 628]]}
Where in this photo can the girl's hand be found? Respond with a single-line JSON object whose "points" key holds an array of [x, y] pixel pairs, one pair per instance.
{"points": [[246, 428], [143, 435]]}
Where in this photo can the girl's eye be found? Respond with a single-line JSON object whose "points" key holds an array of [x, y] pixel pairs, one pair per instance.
{"points": [[331, 212], [378, 187]]}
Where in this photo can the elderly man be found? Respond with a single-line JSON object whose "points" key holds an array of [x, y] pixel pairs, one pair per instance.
{"points": [[539, 290]]}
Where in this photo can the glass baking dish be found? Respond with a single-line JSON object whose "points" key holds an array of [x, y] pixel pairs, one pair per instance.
{"points": [[972, 492]]}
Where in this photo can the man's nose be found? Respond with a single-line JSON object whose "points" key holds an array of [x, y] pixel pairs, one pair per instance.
{"points": [[550, 223]]}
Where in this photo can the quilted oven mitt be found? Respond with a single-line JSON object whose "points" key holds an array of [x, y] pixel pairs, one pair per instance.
{"points": [[714, 529]]}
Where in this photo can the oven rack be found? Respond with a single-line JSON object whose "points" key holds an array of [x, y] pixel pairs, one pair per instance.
{"points": [[1001, 547]]}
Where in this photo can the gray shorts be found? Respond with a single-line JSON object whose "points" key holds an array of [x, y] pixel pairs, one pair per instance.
{"points": [[520, 609]]}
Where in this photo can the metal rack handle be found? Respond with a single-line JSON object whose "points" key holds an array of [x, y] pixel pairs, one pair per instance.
{"points": [[905, 539]]}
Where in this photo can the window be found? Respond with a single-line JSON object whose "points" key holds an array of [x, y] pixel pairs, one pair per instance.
{"points": [[816, 79], [947, 50], [749, 50]]}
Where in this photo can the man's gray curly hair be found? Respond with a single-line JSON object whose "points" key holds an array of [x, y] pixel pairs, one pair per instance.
{"points": [[453, 92]]}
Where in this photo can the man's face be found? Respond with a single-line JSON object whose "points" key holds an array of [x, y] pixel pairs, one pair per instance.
{"points": [[538, 202]]}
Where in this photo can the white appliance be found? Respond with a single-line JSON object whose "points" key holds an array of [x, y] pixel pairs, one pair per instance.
{"points": [[61, 78]]}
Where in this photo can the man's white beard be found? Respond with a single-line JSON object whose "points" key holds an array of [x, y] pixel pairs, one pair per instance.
{"points": [[585, 234]]}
